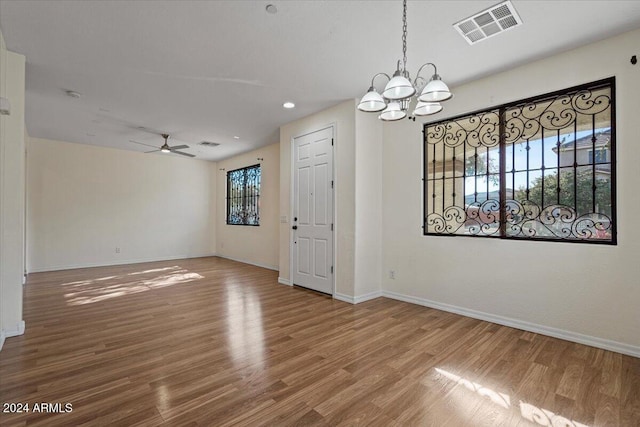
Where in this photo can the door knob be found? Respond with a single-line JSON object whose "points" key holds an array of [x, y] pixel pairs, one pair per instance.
{"points": [[295, 227]]}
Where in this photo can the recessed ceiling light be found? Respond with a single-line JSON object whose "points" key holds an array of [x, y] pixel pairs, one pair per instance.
{"points": [[272, 9], [288, 104], [236, 137], [73, 93]]}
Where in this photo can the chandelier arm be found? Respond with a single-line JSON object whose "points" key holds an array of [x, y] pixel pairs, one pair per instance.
{"points": [[419, 83], [435, 71], [379, 74], [399, 91]]}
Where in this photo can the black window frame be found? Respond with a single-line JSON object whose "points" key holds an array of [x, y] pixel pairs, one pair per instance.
{"points": [[248, 198], [502, 144]]}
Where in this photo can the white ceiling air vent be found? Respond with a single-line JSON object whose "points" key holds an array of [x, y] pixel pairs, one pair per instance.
{"points": [[208, 144], [488, 23]]}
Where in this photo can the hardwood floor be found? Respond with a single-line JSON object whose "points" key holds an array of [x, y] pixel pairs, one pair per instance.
{"points": [[214, 342]]}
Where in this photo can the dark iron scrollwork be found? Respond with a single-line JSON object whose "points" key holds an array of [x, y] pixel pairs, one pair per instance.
{"points": [[524, 121], [478, 130], [527, 219], [466, 148], [243, 194], [522, 219]]}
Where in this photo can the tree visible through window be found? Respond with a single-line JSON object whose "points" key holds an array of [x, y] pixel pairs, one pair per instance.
{"points": [[243, 196], [541, 168]]}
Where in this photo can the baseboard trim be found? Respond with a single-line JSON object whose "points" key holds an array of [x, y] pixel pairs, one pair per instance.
{"points": [[358, 298], [18, 330], [8, 333], [284, 281], [118, 262], [344, 298], [366, 297], [268, 267], [592, 341]]}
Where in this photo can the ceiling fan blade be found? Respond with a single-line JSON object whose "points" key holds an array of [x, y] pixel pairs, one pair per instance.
{"points": [[142, 143], [182, 153], [152, 151], [179, 147]]}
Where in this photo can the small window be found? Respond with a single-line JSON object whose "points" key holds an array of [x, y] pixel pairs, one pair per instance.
{"points": [[243, 196], [600, 157], [537, 169]]}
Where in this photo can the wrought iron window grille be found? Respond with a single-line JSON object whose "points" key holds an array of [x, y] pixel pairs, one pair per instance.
{"points": [[243, 196], [541, 168]]}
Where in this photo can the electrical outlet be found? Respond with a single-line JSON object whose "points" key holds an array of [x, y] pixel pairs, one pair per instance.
{"points": [[392, 274], [117, 250]]}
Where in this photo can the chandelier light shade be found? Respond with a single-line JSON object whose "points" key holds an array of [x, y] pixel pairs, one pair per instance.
{"points": [[372, 102], [427, 108], [435, 91], [393, 112], [397, 95], [399, 87]]}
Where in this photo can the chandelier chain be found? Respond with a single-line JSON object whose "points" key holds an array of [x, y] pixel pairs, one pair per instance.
{"points": [[397, 96], [404, 35]]}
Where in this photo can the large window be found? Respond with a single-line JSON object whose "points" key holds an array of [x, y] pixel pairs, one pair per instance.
{"points": [[541, 168], [243, 196]]}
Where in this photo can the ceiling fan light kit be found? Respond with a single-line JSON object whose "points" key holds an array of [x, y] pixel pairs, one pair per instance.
{"points": [[393, 103]]}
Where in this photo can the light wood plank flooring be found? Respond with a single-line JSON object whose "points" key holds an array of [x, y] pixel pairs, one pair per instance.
{"points": [[212, 342]]}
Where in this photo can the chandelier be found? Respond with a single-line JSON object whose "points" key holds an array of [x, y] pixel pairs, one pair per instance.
{"points": [[394, 101]]}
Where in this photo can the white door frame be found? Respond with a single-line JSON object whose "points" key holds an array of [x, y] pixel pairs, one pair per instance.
{"points": [[333, 127]]}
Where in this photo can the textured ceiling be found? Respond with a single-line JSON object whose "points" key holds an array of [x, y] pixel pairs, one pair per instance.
{"points": [[218, 69]]}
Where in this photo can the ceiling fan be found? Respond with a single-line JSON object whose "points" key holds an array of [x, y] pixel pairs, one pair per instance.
{"points": [[165, 147]]}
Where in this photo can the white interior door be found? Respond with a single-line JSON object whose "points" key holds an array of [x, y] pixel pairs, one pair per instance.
{"points": [[312, 222]]}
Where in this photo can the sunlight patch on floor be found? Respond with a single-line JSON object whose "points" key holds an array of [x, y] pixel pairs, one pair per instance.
{"points": [[105, 288], [245, 327], [498, 398], [529, 412], [153, 270]]}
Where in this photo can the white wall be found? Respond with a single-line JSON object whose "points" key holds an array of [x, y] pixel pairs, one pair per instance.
{"points": [[357, 196], [587, 293], [12, 188], [342, 117], [368, 217], [254, 245], [84, 201]]}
